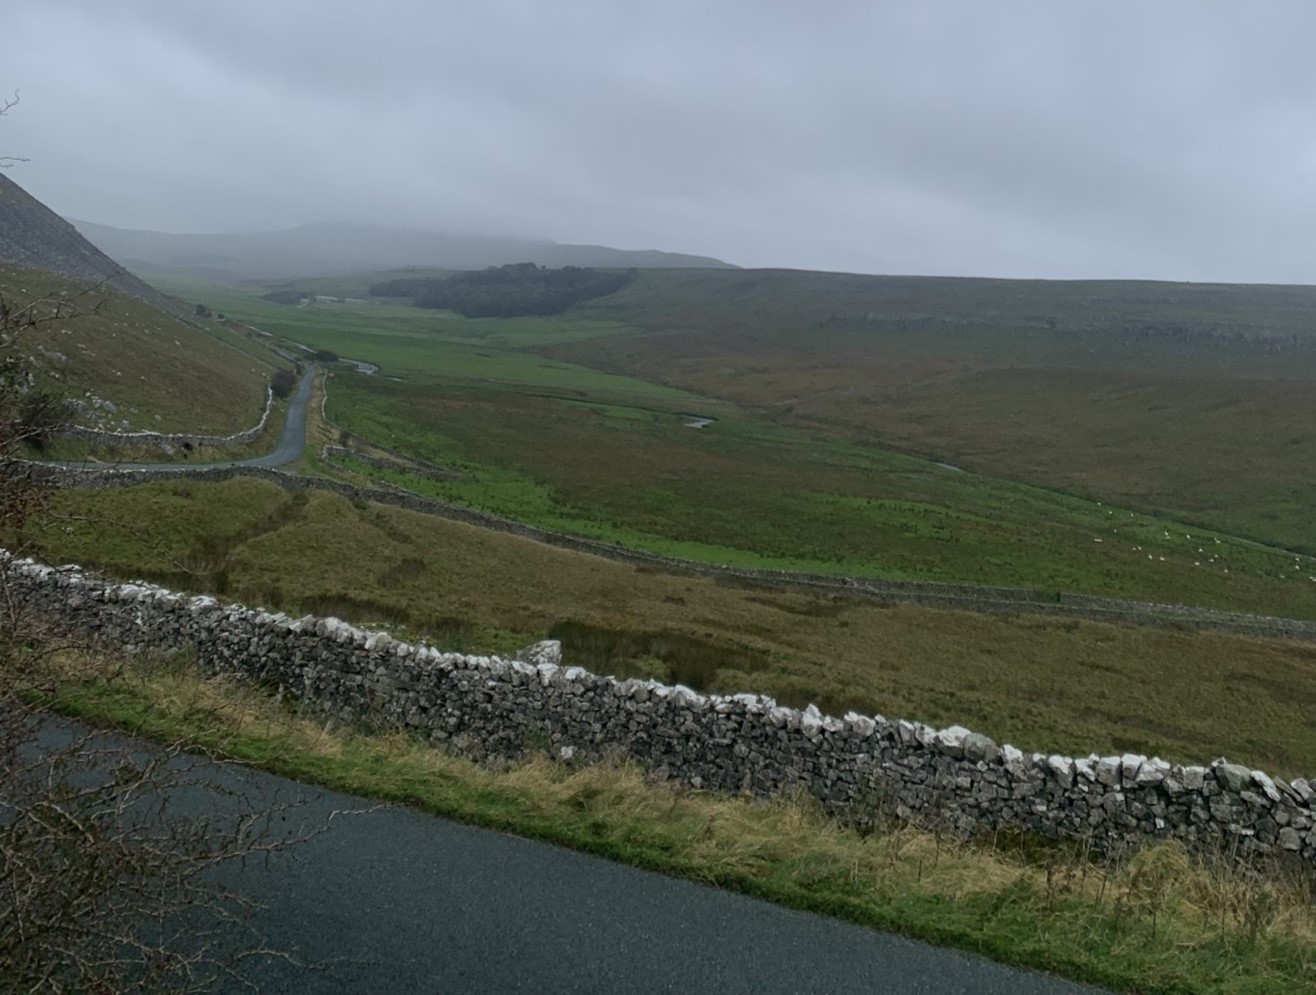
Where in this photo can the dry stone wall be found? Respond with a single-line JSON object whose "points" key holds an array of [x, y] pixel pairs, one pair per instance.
{"points": [[855, 766], [171, 441]]}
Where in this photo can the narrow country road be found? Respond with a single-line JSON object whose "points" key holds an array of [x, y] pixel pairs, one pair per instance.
{"points": [[292, 441], [392, 900]]}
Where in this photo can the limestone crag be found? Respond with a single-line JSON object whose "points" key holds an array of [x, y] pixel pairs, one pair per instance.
{"points": [[33, 235], [857, 766]]}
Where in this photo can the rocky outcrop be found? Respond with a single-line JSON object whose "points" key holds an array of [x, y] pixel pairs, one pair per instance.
{"points": [[857, 766]]}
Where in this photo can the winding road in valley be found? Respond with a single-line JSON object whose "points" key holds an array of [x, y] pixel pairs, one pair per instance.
{"points": [[983, 600], [292, 441]]}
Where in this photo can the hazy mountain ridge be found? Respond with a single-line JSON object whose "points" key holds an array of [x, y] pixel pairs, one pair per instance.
{"points": [[33, 235], [334, 249]]}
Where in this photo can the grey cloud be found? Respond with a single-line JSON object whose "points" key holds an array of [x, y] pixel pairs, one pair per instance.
{"points": [[1023, 139]]}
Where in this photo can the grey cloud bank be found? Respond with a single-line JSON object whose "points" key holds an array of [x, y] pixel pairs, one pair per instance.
{"points": [[1168, 141]]}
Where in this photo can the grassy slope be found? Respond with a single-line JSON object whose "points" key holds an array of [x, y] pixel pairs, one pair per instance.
{"points": [[161, 375], [1042, 684], [1188, 398]]}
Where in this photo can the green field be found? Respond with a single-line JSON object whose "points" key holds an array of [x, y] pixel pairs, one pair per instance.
{"points": [[405, 340], [574, 449], [747, 493], [1192, 400]]}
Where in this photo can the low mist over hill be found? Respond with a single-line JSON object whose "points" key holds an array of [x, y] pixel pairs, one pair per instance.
{"points": [[34, 236], [316, 250]]}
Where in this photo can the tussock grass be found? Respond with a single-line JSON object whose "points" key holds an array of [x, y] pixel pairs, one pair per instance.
{"points": [[1179, 402], [1161, 920], [743, 492]]}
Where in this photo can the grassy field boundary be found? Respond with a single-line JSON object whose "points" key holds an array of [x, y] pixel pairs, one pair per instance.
{"points": [[986, 600], [108, 437]]}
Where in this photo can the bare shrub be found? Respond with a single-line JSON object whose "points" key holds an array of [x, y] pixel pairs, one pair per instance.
{"points": [[111, 852]]}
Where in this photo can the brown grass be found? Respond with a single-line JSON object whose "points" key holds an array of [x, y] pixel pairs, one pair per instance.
{"points": [[142, 360], [1040, 683]]}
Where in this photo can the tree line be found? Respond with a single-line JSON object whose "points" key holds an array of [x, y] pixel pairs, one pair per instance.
{"points": [[508, 291]]}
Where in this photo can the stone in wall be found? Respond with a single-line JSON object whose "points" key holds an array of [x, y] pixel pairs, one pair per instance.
{"points": [[855, 766], [171, 441]]}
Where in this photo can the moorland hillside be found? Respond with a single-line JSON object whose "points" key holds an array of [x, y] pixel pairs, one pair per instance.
{"points": [[1188, 398], [128, 356]]}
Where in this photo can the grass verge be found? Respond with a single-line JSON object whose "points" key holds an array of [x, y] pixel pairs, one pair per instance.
{"points": [[1158, 922]]}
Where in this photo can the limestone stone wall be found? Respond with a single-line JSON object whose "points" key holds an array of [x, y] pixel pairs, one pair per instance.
{"points": [[171, 441], [855, 765]]}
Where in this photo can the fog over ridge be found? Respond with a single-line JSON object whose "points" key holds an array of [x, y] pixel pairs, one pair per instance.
{"points": [[1030, 139]]}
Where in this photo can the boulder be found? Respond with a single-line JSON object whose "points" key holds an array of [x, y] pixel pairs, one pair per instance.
{"points": [[544, 651]]}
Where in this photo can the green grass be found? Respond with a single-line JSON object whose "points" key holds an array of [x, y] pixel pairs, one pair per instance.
{"points": [[1158, 923], [572, 448], [746, 493], [405, 340], [1043, 684], [160, 374]]}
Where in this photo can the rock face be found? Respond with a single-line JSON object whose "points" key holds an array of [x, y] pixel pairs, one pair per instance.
{"points": [[856, 766], [33, 235]]}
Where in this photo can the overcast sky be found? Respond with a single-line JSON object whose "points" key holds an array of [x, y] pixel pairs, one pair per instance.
{"points": [[1059, 139]]}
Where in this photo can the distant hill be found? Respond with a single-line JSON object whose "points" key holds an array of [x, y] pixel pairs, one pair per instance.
{"points": [[331, 249], [130, 357]]}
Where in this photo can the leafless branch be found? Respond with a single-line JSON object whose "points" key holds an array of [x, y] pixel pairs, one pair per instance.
{"points": [[5, 105]]}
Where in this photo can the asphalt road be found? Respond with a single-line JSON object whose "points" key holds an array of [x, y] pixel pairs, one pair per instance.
{"points": [[390, 900], [292, 440]]}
